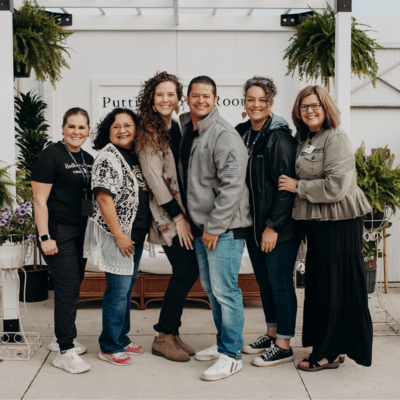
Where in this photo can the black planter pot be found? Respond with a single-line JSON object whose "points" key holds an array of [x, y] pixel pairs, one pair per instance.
{"points": [[22, 72], [37, 284], [370, 274], [378, 217]]}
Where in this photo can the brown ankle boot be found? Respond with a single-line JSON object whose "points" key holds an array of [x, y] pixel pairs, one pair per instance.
{"points": [[184, 346], [165, 346]]}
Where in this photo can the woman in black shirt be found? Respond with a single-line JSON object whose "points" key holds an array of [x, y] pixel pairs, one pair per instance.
{"points": [[157, 144], [61, 192]]}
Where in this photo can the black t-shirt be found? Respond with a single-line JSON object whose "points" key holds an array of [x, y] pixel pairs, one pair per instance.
{"points": [[54, 165], [141, 224]]}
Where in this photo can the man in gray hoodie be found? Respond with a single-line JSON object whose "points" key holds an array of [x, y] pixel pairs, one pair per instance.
{"points": [[213, 161]]}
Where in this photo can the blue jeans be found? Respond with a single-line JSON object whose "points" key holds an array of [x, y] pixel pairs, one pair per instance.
{"points": [[219, 272], [117, 308], [274, 274]]}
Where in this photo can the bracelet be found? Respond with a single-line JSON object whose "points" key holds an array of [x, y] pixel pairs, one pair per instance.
{"points": [[177, 220]]}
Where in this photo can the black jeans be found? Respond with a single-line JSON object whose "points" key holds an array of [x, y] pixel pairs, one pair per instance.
{"points": [[67, 269], [185, 272], [274, 274]]}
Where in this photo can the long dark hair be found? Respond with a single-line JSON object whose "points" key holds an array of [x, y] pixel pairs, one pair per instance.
{"points": [[154, 132], [101, 135]]}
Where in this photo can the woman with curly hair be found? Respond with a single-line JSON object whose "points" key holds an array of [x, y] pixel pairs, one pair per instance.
{"points": [[157, 144], [117, 228]]}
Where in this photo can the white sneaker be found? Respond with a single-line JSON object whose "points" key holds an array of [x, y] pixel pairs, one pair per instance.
{"points": [[208, 354], [79, 347], [70, 362], [224, 367]]}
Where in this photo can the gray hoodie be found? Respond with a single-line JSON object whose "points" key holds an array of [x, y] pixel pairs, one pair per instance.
{"points": [[217, 194]]}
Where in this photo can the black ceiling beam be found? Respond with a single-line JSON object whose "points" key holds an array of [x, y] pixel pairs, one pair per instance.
{"points": [[294, 19]]}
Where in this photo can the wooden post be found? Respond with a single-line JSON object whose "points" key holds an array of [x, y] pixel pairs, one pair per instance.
{"points": [[385, 272]]}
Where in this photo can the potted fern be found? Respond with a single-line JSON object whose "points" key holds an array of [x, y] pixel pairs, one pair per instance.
{"points": [[312, 49], [31, 138], [39, 43], [380, 183]]}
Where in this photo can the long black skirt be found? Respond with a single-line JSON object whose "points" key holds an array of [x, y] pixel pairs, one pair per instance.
{"points": [[336, 315]]}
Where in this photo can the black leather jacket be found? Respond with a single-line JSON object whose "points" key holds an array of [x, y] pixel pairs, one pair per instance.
{"points": [[274, 155]]}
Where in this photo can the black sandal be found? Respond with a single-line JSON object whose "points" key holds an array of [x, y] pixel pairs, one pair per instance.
{"points": [[314, 366], [341, 359]]}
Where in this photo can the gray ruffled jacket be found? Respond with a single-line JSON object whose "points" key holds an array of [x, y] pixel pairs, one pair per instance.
{"points": [[327, 188]]}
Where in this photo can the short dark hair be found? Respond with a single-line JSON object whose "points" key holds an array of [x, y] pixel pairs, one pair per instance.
{"points": [[76, 111], [205, 80], [101, 136]]}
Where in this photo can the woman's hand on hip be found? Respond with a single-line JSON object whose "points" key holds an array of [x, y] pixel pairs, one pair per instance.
{"points": [[49, 247], [268, 240], [184, 233], [125, 244], [287, 183]]}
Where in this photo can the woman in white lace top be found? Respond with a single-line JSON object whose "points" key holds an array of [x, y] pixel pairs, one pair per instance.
{"points": [[116, 231]]}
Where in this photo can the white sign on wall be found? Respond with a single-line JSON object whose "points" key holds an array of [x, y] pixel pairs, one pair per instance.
{"points": [[108, 94]]}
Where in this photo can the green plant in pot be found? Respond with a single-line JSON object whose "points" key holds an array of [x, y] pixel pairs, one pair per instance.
{"points": [[31, 138], [380, 183], [39, 43], [312, 49]]}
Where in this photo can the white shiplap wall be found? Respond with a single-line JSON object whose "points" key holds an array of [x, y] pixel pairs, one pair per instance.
{"points": [[223, 55]]}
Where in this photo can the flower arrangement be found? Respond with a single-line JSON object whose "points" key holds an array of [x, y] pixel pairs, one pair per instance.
{"points": [[14, 226]]}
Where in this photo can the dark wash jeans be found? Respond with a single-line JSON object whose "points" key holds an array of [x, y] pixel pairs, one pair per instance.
{"points": [[274, 274], [185, 272], [117, 308], [67, 269]]}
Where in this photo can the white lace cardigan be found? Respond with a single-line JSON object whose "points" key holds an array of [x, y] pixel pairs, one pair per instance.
{"points": [[111, 171]]}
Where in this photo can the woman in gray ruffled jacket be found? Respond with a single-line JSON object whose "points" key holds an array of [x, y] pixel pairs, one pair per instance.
{"points": [[329, 209]]}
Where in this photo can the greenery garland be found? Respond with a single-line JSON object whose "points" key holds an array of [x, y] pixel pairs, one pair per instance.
{"points": [[39, 42], [312, 51]]}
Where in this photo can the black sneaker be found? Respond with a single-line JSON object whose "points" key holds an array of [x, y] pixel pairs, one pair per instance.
{"points": [[260, 345], [274, 356]]}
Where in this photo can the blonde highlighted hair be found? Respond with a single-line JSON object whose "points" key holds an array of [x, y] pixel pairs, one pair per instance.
{"points": [[332, 113]]}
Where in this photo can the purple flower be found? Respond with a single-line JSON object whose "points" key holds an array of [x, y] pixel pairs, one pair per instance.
{"points": [[22, 206], [21, 221], [8, 217], [2, 222], [28, 204], [4, 214], [7, 241], [22, 211], [11, 228], [8, 223]]}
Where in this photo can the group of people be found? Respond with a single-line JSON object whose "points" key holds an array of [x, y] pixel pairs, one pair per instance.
{"points": [[203, 189]]}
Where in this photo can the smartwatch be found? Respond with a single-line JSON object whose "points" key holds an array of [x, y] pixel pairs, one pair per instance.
{"points": [[43, 238]]}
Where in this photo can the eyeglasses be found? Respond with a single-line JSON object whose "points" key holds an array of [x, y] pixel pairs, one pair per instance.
{"points": [[263, 81], [117, 128], [314, 107]]}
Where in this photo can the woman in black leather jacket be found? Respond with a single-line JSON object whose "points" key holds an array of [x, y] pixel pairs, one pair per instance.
{"points": [[272, 244]]}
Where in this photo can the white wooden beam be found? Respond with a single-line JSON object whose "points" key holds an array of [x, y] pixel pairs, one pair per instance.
{"points": [[287, 11], [139, 10], [64, 10], [225, 4], [187, 22], [343, 67], [214, 11], [102, 11], [250, 11], [176, 12]]}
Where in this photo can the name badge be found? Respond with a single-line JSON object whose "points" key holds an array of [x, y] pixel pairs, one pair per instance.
{"points": [[309, 149]]}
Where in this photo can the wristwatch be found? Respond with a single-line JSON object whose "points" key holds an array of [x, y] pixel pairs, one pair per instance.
{"points": [[43, 238]]}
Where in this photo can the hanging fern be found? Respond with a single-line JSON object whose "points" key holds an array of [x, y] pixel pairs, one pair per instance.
{"points": [[312, 51], [39, 42]]}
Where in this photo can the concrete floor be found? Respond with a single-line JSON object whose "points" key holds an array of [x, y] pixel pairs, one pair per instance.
{"points": [[151, 377]]}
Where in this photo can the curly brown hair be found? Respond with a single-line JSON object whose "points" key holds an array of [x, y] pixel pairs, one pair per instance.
{"points": [[269, 88], [154, 132]]}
